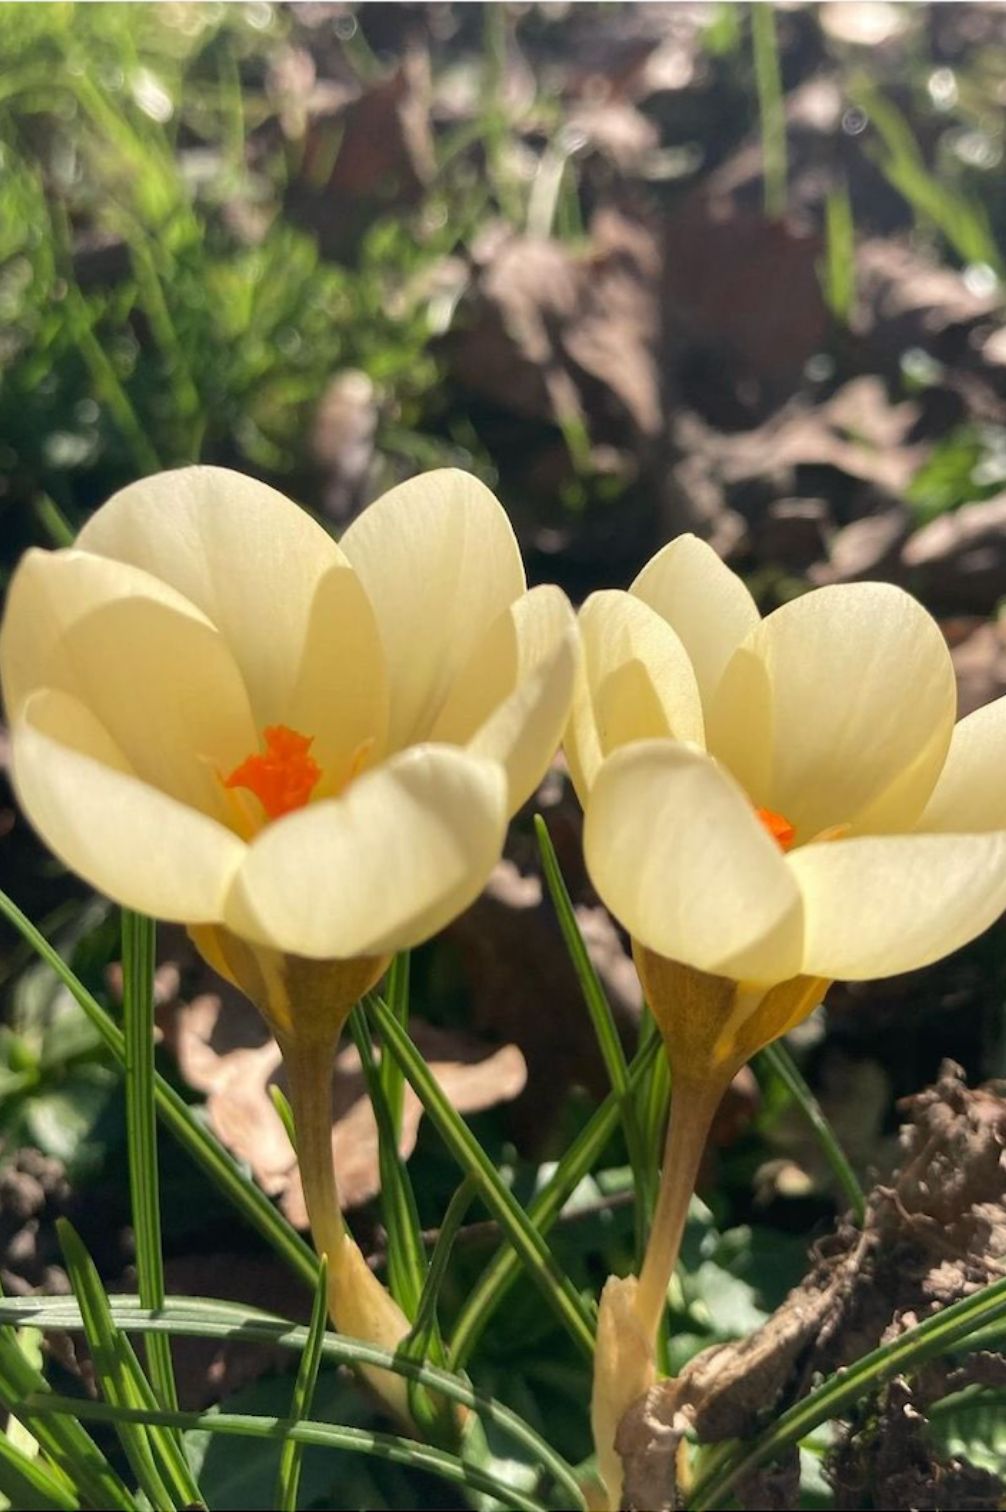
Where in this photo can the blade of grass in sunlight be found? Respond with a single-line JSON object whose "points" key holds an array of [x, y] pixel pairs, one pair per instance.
{"points": [[838, 270], [196, 1317], [29, 1486], [155, 1453], [406, 1254], [70, 1448], [425, 1337], [388, 1446], [292, 1453], [397, 999], [782, 1064], [521, 1232], [139, 936], [771, 109], [934, 1336], [545, 1207], [178, 1118]]}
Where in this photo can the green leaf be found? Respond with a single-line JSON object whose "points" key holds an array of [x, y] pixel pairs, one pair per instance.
{"points": [[520, 1231], [179, 1118], [424, 1341], [392, 1080], [971, 1425], [155, 1454], [139, 942], [29, 1486], [292, 1453]]}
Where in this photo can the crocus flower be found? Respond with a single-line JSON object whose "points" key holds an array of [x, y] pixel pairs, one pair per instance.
{"points": [[769, 805], [307, 753]]}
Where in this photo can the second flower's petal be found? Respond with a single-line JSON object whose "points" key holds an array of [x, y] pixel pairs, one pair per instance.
{"points": [[879, 905], [838, 709], [677, 854], [636, 683], [143, 849], [512, 699], [970, 792], [244, 554], [439, 561], [401, 853], [706, 604]]}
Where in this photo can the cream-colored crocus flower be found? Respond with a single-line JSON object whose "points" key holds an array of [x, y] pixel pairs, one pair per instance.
{"points": [[305, 752], [771, 804]]}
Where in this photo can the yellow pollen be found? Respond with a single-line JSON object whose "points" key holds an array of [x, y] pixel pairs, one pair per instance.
{"points": [[284, 776], [778, 826]]}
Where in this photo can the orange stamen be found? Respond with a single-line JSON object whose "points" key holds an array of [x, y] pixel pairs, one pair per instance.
{"points": [[284, 777], [778, 826]]}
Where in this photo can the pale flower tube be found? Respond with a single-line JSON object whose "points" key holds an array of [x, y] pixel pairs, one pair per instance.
{"points": [[770, 805], [305, 752]]}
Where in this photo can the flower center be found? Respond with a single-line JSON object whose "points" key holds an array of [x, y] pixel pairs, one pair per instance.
{"points": [[284, 776], [778, 826]]}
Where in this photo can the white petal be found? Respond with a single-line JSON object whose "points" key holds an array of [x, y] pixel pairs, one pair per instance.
{"points": [[706, 604], [241, 552], [404, 850], [143, 849], [145, 661], [838, 709], [679, 857], [512, 700], [636, 683], [439, 561], [970, 793], [880, 905]]}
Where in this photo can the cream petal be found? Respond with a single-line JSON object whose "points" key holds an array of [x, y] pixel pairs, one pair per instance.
{"points": [[881, 904], [439, 561], [838, 709], [149, 665], [677, 854], [398, 855], [245, 555], [706, 605], [143, 849], [340, 692], [970, 792], [636, 683], [511, 701]]}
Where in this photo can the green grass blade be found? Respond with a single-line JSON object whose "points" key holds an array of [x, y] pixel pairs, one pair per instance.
{"points": [[113, 1367], [198, 1318], [934, 1336], [388, 1446], [514, 1221], [177, 1117], [397, 999], [157, 1457], [601, 1018], [292, 1453], [838, 273], [500, 1274], [425, 1341], [782, 1064], [29, 1486], [63, 1441], [406, 1253], [771, 109], [139, 943]]}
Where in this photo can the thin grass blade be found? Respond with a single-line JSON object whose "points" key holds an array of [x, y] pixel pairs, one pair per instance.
{"points": [[292, 1454]]}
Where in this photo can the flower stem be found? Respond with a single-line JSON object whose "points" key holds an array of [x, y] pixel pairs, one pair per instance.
{"points": [[692, 1109]]}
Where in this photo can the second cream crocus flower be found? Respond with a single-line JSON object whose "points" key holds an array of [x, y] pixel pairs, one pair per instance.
{"points": [[770, 805], [305, 752]]}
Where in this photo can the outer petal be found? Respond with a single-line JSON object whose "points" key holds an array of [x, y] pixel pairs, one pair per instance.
{"points": [[439, 561], [706, 604], [512, 699], [637, 683], [677, 854], [140, 847], [883, 904], [404, 850], [241, 552], [145, 661], [970, 793], [838, 709]]}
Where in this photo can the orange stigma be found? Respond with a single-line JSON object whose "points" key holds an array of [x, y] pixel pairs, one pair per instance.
{"points": [[778, 826], [284, 777]]}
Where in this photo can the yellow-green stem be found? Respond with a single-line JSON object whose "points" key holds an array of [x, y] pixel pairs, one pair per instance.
{"points": [[692, 1109]]}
